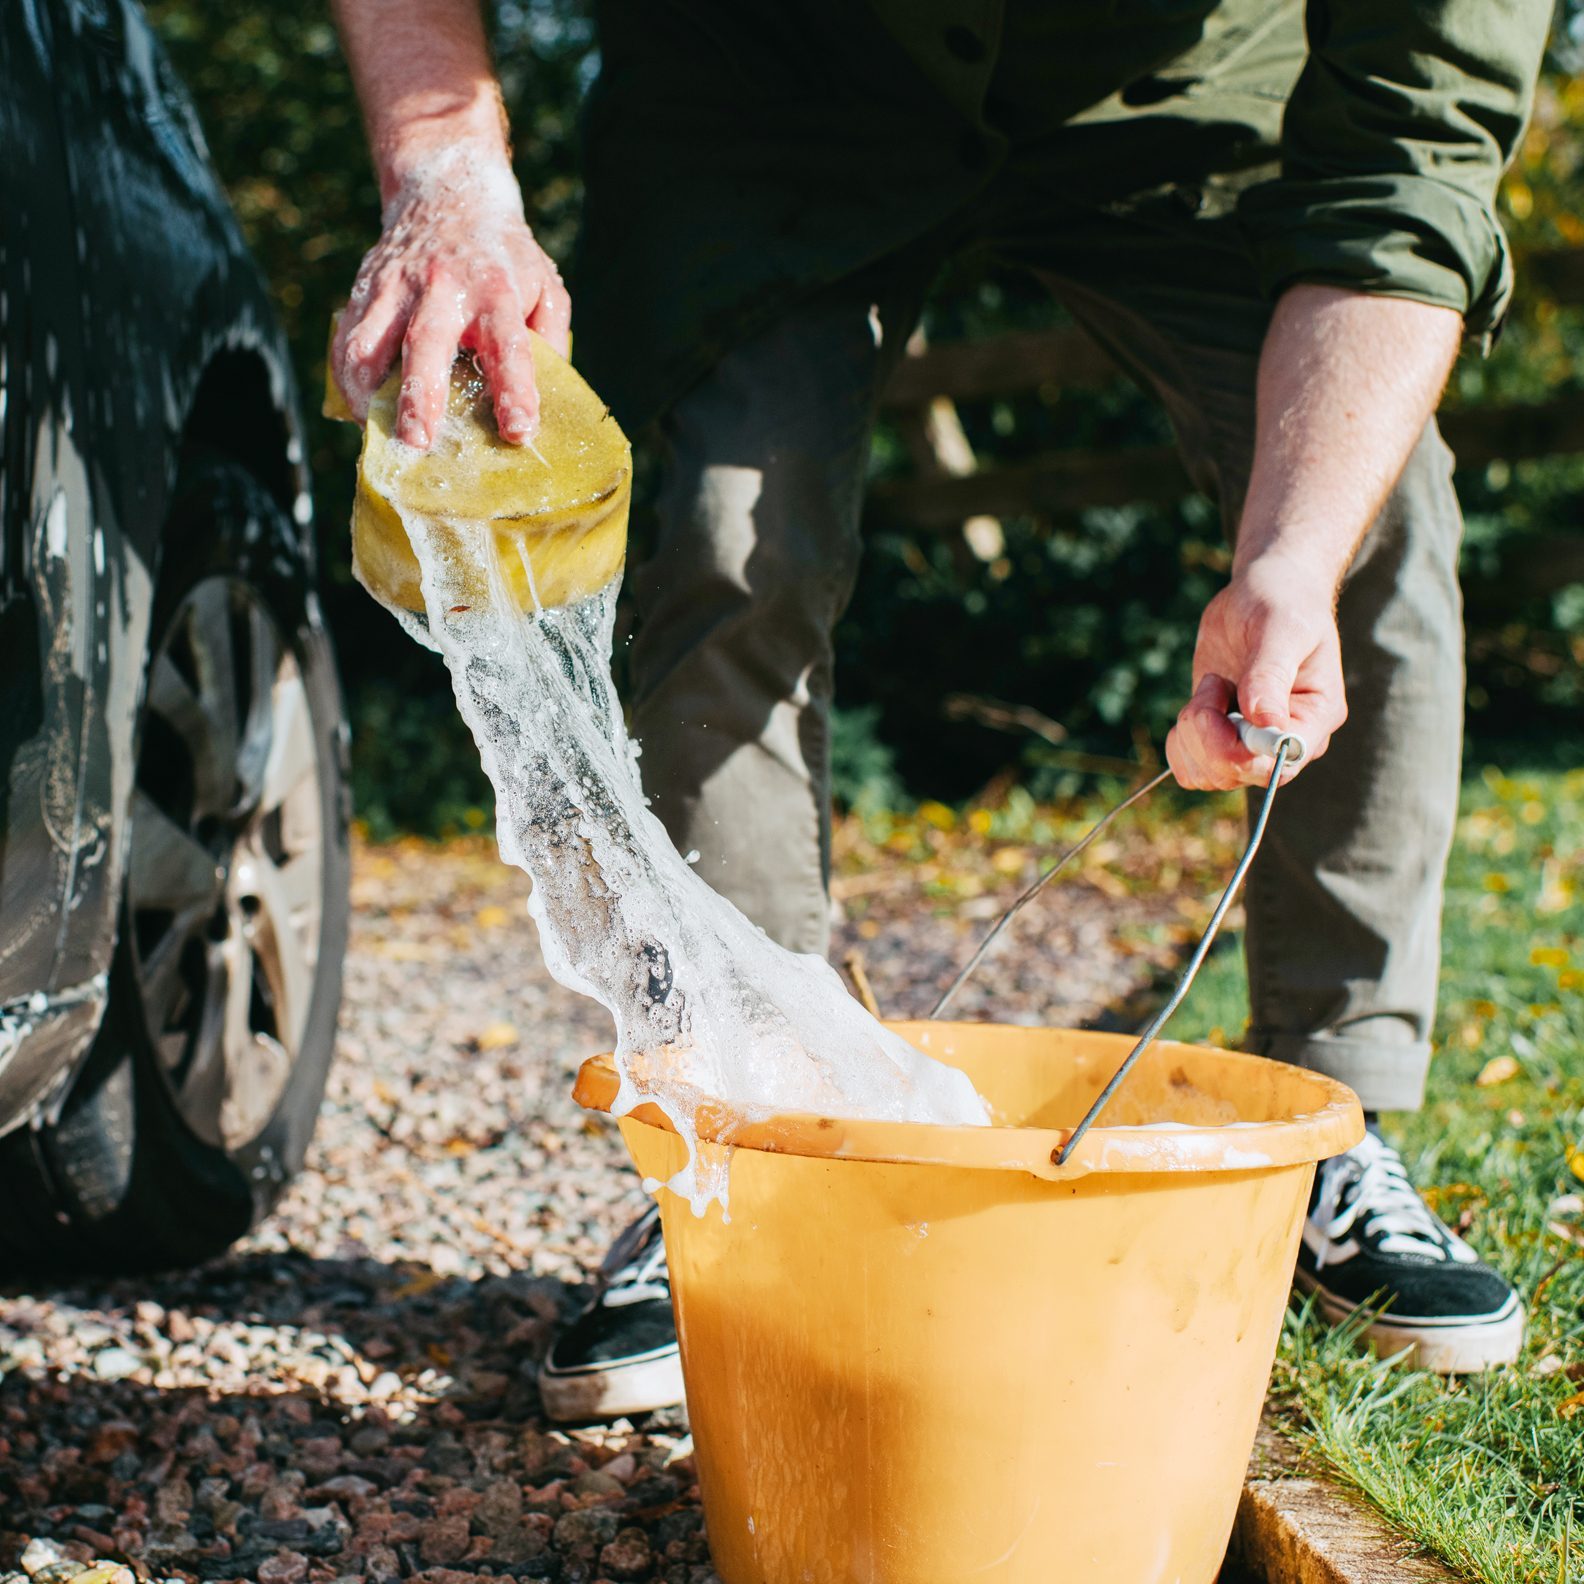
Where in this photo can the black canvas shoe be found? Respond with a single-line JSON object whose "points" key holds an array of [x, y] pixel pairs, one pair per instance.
{"points": [[620, 1355], [1371, 1243]]}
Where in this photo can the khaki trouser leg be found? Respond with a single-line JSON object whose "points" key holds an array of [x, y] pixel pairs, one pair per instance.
{"points": [[762, 481], [1344, 902]]}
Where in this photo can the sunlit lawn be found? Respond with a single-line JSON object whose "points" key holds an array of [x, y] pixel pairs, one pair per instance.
{"points": [[1486, 1472]]}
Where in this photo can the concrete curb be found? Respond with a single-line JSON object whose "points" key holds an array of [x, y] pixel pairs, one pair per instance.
{"points": [[1295, 1529]]}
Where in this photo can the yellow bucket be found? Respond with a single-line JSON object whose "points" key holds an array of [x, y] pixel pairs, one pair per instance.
{"points": [[926, 1355]]}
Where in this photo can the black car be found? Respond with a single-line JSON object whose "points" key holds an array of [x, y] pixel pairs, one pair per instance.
{"points": [[173, 847]]}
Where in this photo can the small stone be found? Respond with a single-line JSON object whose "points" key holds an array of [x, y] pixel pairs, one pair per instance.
{"points": [[597, 1483], [346, 1487], [444, 1540], [382, 1563], [369, 1441], [115, 1364], [285, 1567], [39, 1554], [586, 1530], [628, 1556], [110, 1440]]}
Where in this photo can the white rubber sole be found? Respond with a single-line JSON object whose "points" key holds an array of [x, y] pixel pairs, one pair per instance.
{"points": [[1455, 1347], [638, 1386]]}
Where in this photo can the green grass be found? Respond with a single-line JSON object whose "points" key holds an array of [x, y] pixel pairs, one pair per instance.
{"points": [[1486, 1472]]}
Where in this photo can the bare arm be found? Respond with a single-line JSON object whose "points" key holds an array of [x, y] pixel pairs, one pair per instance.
{"points": [[1347, 382], [456, 265]]}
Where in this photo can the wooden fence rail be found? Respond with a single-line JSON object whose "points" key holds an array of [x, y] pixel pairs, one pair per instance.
{"points": [[948, 490]]}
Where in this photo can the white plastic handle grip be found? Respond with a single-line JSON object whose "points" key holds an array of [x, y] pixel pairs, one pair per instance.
{"points": [[1266, 740]]}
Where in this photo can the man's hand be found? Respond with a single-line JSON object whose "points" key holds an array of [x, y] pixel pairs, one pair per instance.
{"points": [[456, 267], [1347, 382], [1267, 647]]}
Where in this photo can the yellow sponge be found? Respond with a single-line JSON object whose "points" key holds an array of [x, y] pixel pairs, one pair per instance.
{"points": [[556, 509]]}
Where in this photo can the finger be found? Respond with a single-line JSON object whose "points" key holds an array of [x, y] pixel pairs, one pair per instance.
{"points": [[366, 345], [1316, 718], [1184, 766], [551, 316], [1265, 689], [500, 338], [1211, 740], [1184, 746], [429, 350]]}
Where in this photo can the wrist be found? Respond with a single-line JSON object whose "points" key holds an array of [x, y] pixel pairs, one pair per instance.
{"points": [[1291, 553], [432, 129]]}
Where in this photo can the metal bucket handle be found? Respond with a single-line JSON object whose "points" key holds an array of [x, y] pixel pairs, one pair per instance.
{"points": [[1285, 749]]}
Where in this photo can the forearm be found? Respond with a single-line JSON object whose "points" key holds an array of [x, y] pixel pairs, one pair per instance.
{"points": [[1347, 382], [425, 82]]}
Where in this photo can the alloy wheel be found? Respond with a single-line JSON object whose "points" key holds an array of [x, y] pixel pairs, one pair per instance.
{"points": [[225, 884]]}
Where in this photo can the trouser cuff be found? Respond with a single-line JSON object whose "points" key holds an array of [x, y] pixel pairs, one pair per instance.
{"points": [[1385, 1077]]}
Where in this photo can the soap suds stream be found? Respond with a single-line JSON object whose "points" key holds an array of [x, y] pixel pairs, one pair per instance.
{"points": [[705, 1004]]}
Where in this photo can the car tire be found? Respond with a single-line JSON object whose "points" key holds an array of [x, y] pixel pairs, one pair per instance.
{"points": [[195, 1104]]}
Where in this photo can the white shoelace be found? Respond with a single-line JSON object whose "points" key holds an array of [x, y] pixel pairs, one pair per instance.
{"points": [[1368, 1189], [636, 1260]]}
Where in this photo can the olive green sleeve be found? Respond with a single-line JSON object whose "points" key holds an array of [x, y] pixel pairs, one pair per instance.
{"points": [[1393, 143]]}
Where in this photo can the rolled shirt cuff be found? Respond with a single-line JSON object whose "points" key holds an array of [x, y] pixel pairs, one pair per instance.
{"points": [[1396, 235]]}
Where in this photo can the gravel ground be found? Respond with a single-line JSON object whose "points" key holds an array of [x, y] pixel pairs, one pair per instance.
{"points": [[349, 1395]]}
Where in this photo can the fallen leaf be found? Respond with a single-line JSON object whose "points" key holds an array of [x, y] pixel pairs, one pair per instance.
{"points": [[1571, 1405], [420, 1284], [1009, 860], [492, 917], [1498, 1070], [498, 1036], [1549, 957]]}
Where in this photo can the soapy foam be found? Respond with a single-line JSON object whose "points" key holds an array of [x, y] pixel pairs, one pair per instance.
{"points": [[705, 1004]]}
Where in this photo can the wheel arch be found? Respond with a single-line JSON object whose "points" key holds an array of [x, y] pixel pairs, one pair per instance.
{"points": [[242, 409]]}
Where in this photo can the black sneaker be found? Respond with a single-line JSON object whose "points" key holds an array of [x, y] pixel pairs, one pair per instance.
{"points": [[1371, 1243], [620, 1355]]}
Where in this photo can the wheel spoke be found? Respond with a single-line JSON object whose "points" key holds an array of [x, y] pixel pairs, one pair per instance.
{"points": [[292, 758], [172, 697], [257, 1075], [212, 641], [160, 976], [203, 1083], [283, 934], [168, 868], [259, 712]]}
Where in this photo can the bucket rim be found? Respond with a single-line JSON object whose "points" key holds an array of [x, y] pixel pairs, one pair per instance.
{"points": [[1334, 1125]]}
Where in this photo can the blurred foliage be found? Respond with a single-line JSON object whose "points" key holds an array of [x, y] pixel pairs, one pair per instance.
{"points": [[1085, 622]]}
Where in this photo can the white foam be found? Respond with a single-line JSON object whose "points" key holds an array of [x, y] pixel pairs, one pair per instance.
{"points": [[704, 1003]]}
